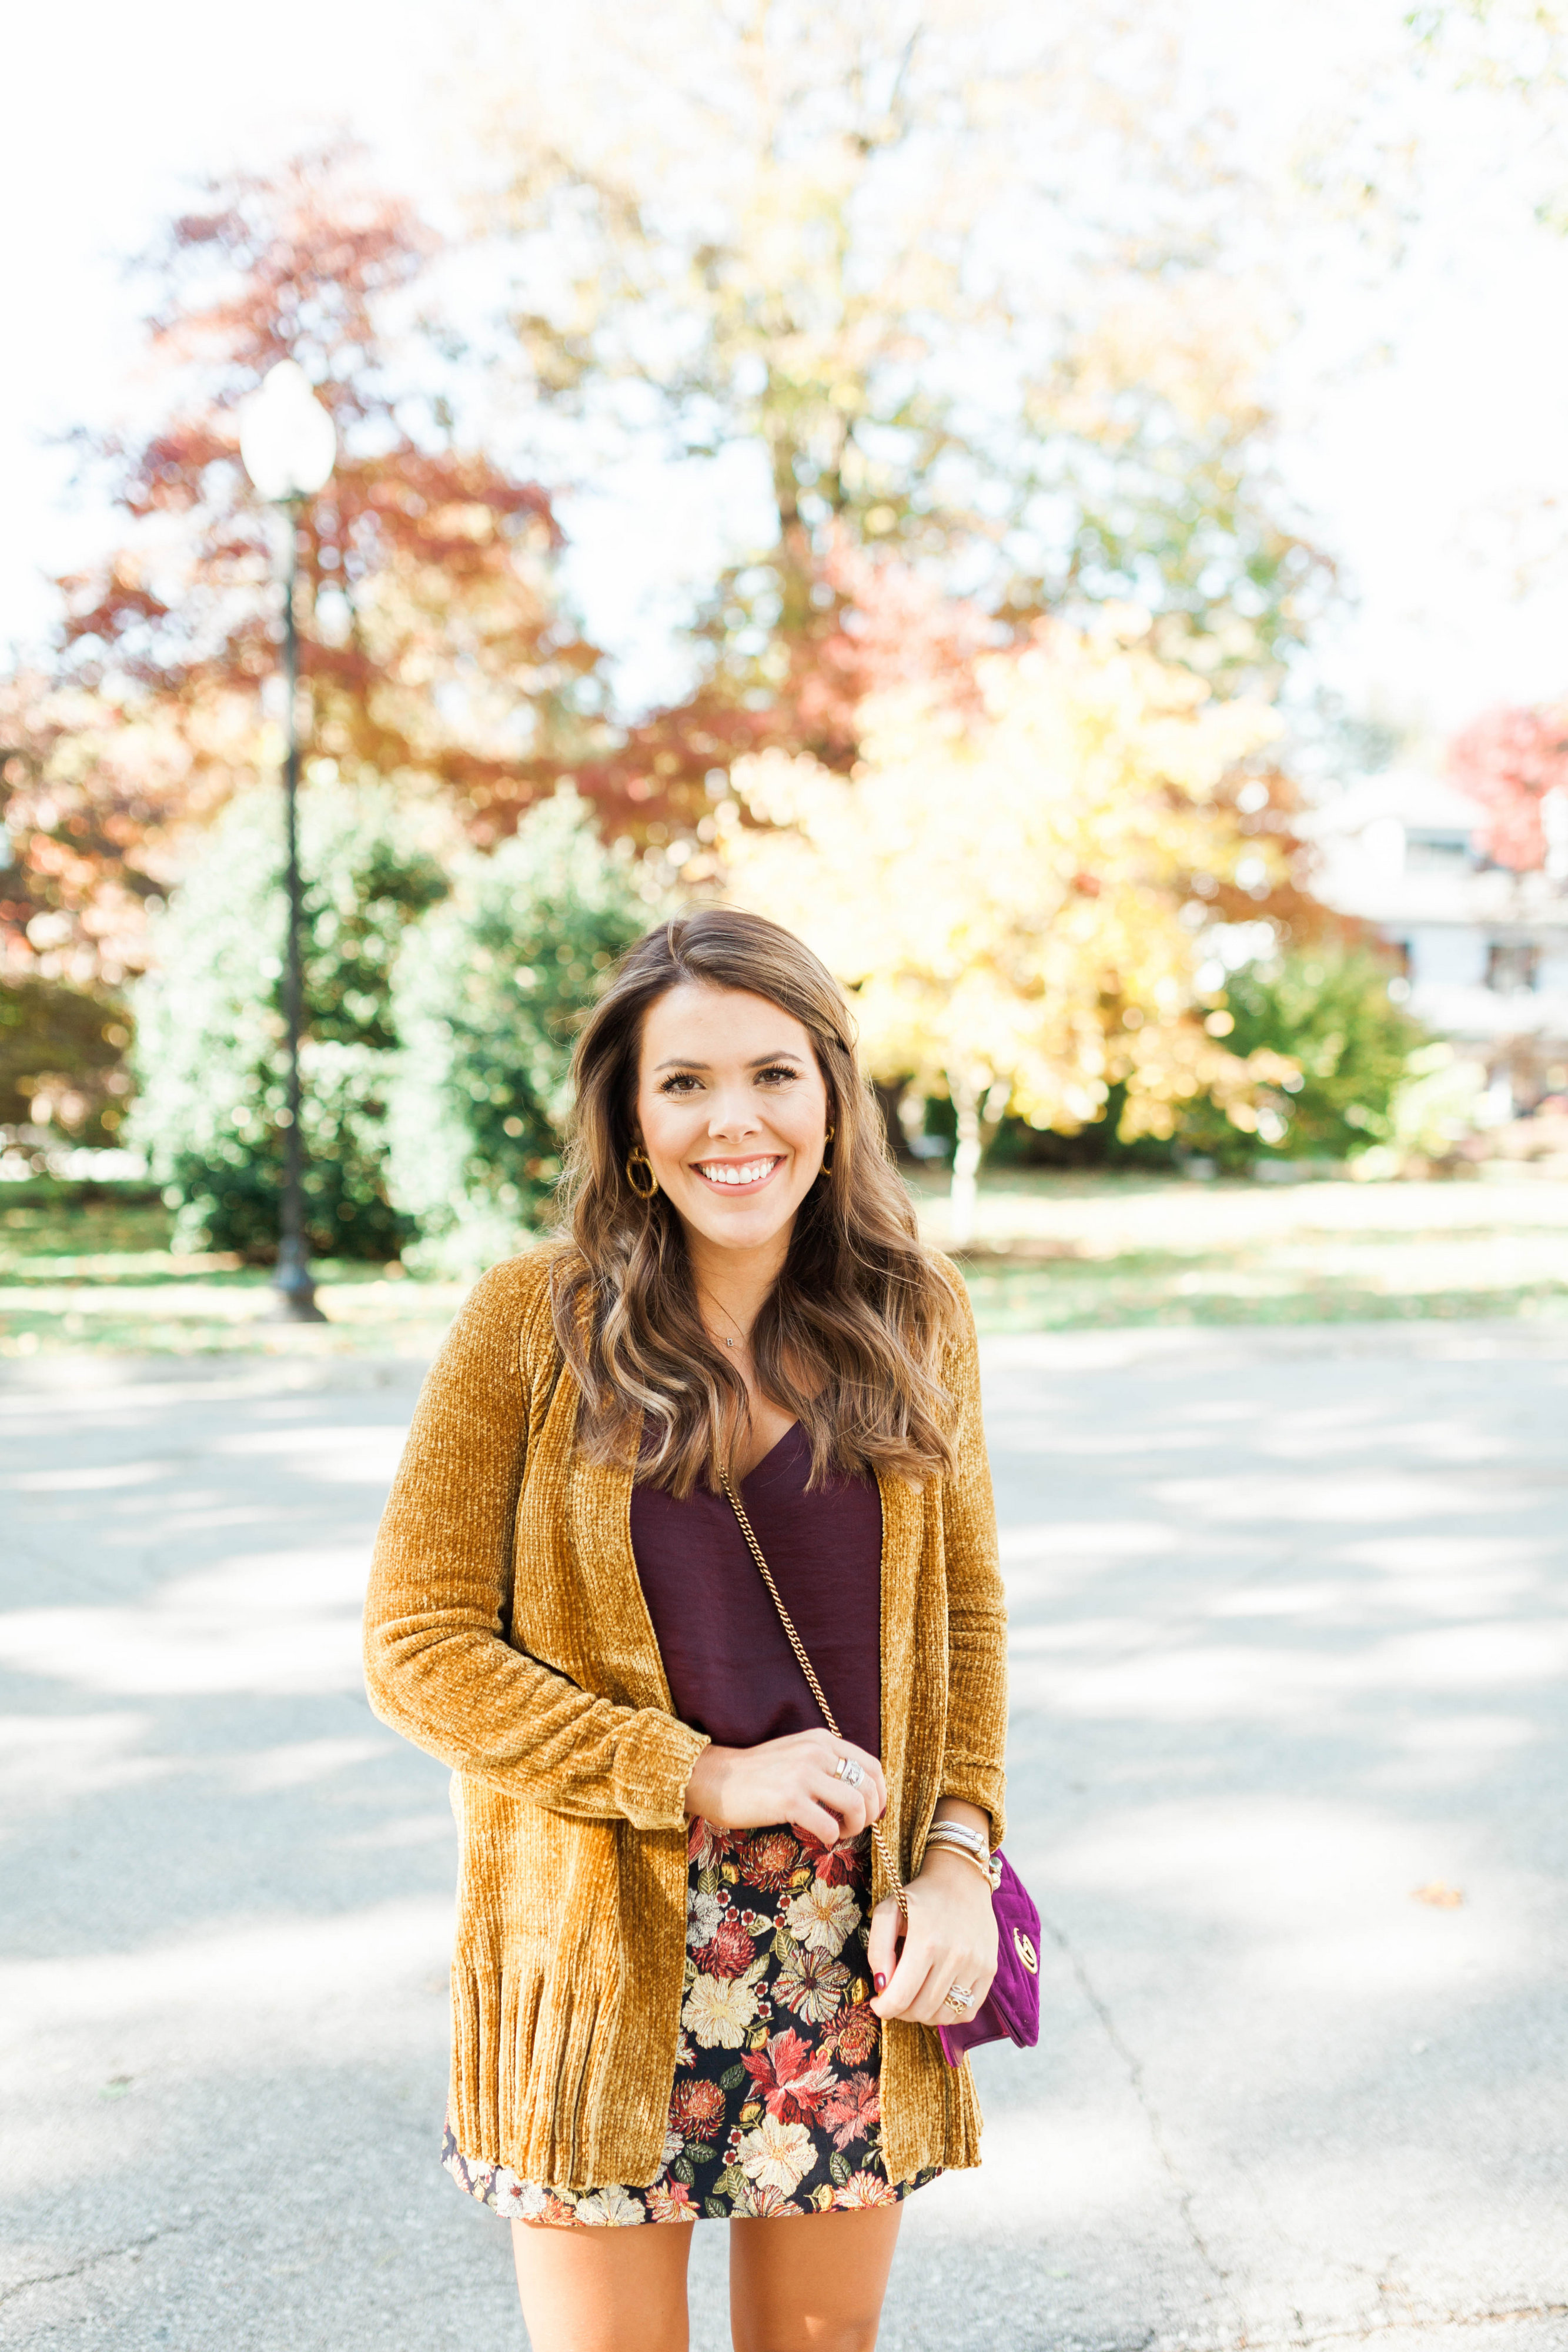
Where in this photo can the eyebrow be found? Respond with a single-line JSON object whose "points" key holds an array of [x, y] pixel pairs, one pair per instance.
{"points": [[758, 1061]]}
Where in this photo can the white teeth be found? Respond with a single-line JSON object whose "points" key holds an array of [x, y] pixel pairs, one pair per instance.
{"points": [[737, 1172]]}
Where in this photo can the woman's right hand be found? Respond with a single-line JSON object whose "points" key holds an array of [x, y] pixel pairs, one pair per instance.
{"points": [[793, 1779]]}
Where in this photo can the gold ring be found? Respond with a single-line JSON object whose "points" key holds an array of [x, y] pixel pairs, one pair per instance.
{"points": [[960, 1996]]}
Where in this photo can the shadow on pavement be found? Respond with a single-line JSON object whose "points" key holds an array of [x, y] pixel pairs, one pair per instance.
{"points": [[1290, 1626]]}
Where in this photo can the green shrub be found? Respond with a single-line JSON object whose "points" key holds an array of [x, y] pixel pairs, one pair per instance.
{"points": [[1436, 1105], [1328, 1008], [490, 988], [210, 1054], [66, 1047]]}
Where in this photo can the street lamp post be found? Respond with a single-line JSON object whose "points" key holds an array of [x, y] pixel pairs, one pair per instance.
{"points": [[289, 445]]}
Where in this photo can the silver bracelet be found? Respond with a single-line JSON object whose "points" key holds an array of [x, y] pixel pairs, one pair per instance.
{"points": [[958, 1834]]}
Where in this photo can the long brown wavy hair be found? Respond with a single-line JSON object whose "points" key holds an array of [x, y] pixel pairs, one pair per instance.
{"points": [[849, 1338]]}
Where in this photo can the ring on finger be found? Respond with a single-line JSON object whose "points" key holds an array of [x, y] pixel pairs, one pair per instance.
{"points": [[960, 1996], [848, 1771]]}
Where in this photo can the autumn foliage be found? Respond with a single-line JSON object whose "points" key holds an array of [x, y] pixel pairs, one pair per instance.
{"points": [[1008, 886], [81, 792], [858, 249], [440, 666], [871, 624], [433, 654], [1511, 761]]}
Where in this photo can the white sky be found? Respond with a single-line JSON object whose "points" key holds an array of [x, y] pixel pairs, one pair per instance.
{"points": [[1426, 470]]}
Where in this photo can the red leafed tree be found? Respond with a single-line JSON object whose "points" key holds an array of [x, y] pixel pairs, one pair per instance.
{"points": [[434, 651], [885, 627], [1511, 761], [869, 624]]}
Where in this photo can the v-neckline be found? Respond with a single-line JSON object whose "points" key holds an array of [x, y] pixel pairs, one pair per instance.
{"points": [[748, 1476]]}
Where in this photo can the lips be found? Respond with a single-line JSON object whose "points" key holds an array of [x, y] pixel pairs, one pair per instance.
{"points": [[739, 1175]]}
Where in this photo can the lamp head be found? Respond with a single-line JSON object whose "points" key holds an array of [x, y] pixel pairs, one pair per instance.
{"points": [[286, 437]]}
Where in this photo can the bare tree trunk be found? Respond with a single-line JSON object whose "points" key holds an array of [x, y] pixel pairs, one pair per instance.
{"points": [[966, 1163], [981, 1111]]}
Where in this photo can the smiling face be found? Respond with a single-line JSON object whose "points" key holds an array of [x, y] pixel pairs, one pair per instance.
{"points": [[732, 1111]]}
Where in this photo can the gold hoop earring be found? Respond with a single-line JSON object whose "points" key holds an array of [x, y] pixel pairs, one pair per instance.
{"points": [[827, 1167], [637, 1158]]}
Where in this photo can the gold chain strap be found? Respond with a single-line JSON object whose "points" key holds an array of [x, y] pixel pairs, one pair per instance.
{"points": [[809, 1671]]}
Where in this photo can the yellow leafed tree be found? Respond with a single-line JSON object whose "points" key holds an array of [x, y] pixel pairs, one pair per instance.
{"points": [[1003, 892]]}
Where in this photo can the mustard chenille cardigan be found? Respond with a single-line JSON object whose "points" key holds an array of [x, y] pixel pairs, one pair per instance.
{"points": [[506, 1632]]}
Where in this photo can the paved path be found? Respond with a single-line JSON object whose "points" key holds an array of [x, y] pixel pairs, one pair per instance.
{"points": [[1290, 1623]]}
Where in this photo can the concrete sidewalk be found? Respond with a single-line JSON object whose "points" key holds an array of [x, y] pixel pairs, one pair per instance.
{"points": [[1290, 1620]]}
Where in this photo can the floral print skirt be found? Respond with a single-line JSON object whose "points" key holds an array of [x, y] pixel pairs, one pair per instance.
{"points": [[775, 2108]]}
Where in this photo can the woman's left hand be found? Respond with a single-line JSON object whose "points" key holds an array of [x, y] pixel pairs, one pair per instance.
{"points": [[950, 1939]]}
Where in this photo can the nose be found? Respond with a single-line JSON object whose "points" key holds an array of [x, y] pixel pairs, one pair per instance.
{"points": [[733, 1114]]}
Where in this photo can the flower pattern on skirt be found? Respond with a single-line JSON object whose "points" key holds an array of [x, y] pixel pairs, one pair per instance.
{"points": [[776, 2107]]}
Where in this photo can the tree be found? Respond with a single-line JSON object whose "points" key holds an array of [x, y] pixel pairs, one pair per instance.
{"points": [[489, 992], [1515, 762], [1325, 1012], [961, 283], [213, 1101], [1005, 895], [60, 1055], [434, 656], [79, 862], [71, 919]]}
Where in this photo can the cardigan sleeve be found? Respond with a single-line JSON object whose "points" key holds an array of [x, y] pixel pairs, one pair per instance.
{"points": [[438, 1667], [972, 1764]]}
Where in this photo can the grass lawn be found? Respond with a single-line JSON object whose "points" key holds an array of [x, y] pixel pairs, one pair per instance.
{"points": [[1062, 1253], [1051, 1254], [101, 1276]]}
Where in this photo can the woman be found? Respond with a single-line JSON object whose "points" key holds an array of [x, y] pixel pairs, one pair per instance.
{"points": [[671, 1997]]}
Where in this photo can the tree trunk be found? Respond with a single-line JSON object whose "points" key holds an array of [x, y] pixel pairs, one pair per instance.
{"points": [[966, 1163]]}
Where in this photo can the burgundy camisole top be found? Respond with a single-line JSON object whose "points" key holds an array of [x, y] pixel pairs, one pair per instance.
{"points": [[731, 1671]]}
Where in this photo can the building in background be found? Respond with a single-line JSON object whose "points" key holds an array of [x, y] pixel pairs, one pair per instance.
{"points": [[1483, 949]]}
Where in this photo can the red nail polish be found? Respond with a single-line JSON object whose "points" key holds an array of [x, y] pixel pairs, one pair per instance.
{"points": [[880, 1983]]}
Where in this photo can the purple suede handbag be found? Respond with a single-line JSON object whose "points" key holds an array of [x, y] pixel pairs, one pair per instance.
{"points": [[1010, 2011]]}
